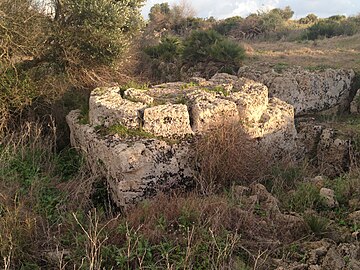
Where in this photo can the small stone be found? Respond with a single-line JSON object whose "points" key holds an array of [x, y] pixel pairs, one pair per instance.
{"points": [[240, 191], [354, 204], [355, 217], [328, 196], [319, 181], [333, 260]]}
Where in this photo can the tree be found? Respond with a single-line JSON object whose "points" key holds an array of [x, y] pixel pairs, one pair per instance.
{"points": [[94, 32], [160, 16], [43, 53]]}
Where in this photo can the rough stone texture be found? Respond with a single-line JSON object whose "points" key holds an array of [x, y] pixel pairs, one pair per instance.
{"points": [[355, 217], [107, 107], [355, 104], [333, 153], [138, 166], [138, 95], [328, 197], [134, 169], [333, 260], [309, 135], [277, 125], [324, 146], [308, 91], [171, 120], [209, 112], [257, 198], [325, 254], [251, 100]]}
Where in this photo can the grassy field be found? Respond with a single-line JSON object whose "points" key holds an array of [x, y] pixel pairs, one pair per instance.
{"points": [[337, 52]]}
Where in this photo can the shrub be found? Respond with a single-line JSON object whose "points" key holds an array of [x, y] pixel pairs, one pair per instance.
{"points": [[168, 50], [44, 55], [310, 18], [95, 32], [224, 27], [316, 223], [306, 196], [206, 46], [332, 27]]}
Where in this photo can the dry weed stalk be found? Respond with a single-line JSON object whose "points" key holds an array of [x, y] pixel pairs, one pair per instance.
{"points": [[95, 238], [226, 155], [221, 254]]}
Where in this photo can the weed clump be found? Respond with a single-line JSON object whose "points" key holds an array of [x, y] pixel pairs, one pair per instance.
{"points": [[227, 156]]}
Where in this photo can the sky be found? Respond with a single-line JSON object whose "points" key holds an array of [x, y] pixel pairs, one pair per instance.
{"points": [[228, 8]]}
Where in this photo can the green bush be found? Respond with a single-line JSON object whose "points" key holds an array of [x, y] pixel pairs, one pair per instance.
{"points": [[168, 50], [225, 26], [95, 32], [306, 196], [332, 27], [207, 46], [310, 18]]}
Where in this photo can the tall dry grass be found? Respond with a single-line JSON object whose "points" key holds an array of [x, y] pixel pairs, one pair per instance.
{"points": [[227, 156]]}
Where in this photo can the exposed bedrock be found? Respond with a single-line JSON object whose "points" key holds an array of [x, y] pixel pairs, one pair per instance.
{"points": [[141, 140], [308, 91]]}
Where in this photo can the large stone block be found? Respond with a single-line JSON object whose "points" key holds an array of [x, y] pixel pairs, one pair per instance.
{"points": [[251, 99], [210, 112], [308, 91], [170, 120], [134, 169], [107, 107]]}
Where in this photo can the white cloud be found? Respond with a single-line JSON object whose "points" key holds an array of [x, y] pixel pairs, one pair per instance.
{"points": [[228, 8]]}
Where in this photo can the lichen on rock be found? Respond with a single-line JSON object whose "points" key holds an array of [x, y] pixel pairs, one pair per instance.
{"points": [[140, 166]]}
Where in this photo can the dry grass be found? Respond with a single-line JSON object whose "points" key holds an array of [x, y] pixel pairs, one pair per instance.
{"points": [[227, 156], [337, 52]]}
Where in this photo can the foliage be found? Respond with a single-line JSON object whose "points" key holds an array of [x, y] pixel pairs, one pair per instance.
{"points": [[225, 26], [94, 32], [171, 54], [176, 20], [306, 196], [333, 26], [274, 19], [206, 46], [310, 18], [168, 50], [42, 54], [316, 223], [221, 165]]}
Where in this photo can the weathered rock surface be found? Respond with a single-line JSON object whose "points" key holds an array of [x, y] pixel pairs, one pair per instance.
{"points": [[328, 197], [138, 95], [308, 91], [251, 100], [333, 153], [208, 112], [355, 104], [134, 168], [170, 120], [147, 158], [325, 254], [325, 147], [107, 107]]}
